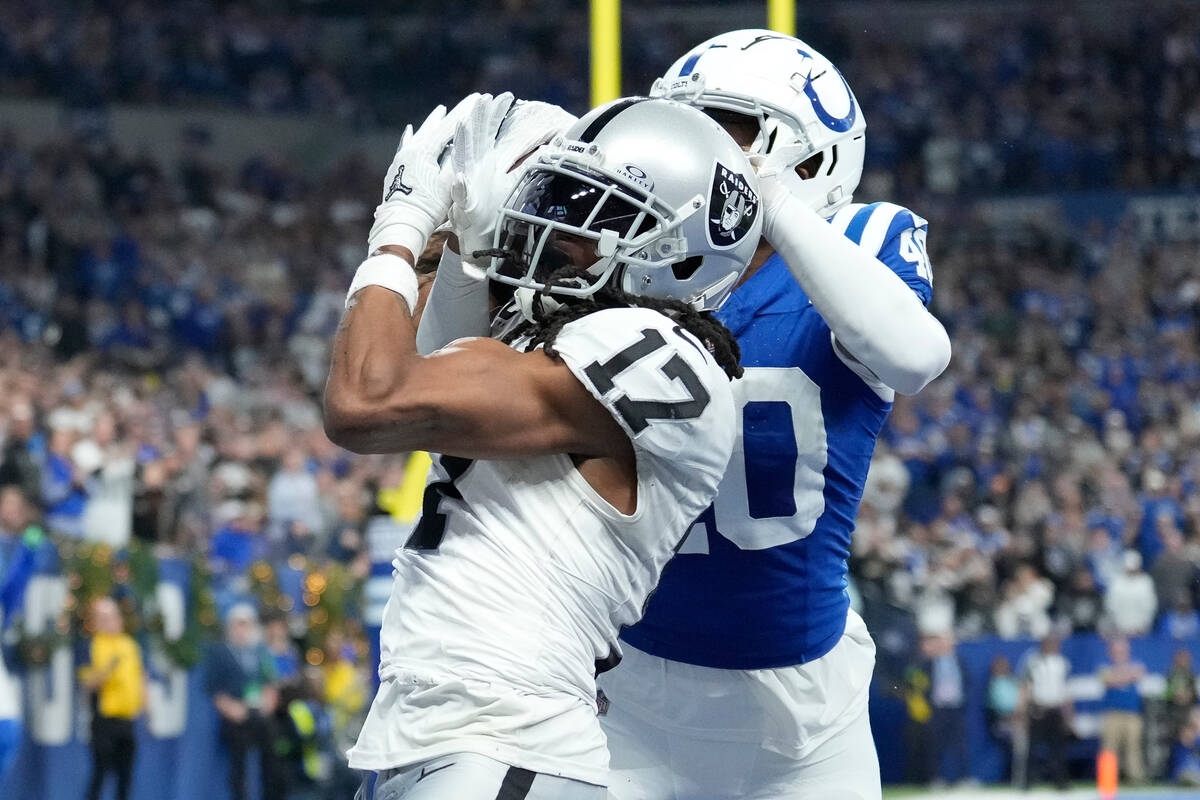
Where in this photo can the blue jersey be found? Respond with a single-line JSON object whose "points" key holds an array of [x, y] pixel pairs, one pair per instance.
{"points": [[760, 581]]}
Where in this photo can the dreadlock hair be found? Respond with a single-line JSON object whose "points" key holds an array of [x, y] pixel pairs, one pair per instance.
{"points": [[548, 323]]}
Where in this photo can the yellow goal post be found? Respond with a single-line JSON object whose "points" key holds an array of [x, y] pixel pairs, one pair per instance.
{"points": [[606, 42]]}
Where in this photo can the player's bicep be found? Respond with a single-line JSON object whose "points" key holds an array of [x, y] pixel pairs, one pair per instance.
{"points": [[478, 398]]}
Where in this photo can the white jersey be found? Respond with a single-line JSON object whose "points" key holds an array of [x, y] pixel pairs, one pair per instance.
{"points": [[511, 592]]}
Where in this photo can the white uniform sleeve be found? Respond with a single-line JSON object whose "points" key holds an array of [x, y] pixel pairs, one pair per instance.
{"points": [[658, 382], [457, 306], [875, 316]]}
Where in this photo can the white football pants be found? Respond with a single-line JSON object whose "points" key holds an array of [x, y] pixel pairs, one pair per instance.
{"points": [[469, 776], [681, 732]]}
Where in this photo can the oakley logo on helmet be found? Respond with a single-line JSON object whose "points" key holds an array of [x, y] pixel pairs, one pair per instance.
{"points": [[734, 204], [637, 176]]}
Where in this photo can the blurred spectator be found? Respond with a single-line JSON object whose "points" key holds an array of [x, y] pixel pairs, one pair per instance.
{"points": [[1186, 755], [918, 747], [283, 648], [114, 673], [1080, 604], [1025, 608], [1005, 715], [149, 510], [1121, 720], [1182, 621], [64, 493], [947, 699], [240, 676], [23, 447], [292, 496], [239, 542], [1161, 511], [1130, 602], [887, 482], [1044, 682], [1173, 572], [1180, 693], [18, 540], [345, 687], [305, 736], [108, 514]]}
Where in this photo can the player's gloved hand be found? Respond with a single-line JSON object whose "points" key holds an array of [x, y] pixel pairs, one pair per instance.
{"points": [[476, 180], [528, 125], [416, 189], [774, 190], [486, 146]]}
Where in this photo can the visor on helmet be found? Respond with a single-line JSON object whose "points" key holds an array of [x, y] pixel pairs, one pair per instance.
{"points": [[560, 217]]}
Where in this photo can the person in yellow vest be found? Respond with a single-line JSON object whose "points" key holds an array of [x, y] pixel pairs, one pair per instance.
{"points": [[116, 677], [345, 692]]}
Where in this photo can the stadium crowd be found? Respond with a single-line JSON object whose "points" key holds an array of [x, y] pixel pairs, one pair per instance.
{"points": [[164, 327], [144, 405], [969, 102]]}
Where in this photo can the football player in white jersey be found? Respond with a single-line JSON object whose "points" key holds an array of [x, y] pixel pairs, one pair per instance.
{"points": [[748, 675], [572, 461]]}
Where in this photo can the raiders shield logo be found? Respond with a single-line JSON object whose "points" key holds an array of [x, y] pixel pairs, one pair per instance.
{"points": [[732, 205]]}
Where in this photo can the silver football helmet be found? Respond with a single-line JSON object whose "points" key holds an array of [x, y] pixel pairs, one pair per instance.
{"points": [[653, 195]]}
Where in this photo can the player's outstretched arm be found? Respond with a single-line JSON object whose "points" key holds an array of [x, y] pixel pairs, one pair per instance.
{"points": [[876, 316], [478, 398]]}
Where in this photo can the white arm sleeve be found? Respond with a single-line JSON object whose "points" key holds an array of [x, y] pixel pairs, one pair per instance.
{"points": [[875, 317], [457, 306]]}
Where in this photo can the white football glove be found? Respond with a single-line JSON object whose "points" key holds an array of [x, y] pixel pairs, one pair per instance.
{"points": [[529, 125], [416, 190], [487, 144], [773, 190]]}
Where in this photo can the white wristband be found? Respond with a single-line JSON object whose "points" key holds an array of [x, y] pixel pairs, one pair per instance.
{"points": [[389, 271]]}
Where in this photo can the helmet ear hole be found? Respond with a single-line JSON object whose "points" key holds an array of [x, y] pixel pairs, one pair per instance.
{"points": [[686, 268], [812, 164]]}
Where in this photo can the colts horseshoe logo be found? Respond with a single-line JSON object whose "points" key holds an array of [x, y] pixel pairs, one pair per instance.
{"points": [[839, 124]]}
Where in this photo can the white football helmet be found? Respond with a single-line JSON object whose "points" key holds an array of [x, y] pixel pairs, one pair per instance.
{"points": [[654, 191], [798, 97]]}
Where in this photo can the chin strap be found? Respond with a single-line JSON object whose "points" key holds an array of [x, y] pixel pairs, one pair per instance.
{"points": [[529, 300]]}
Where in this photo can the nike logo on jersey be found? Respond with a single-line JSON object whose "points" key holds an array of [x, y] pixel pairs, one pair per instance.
{"points": [[426, 772]]}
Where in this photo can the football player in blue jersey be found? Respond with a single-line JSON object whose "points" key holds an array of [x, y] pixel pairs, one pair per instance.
{"points": [[748, 675]]}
